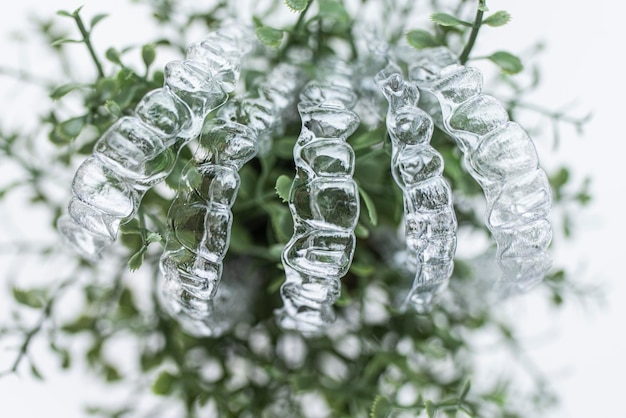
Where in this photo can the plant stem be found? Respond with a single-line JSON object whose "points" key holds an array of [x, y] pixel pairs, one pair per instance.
{"points": [[86, 38], [296, 28], [478, 20]]}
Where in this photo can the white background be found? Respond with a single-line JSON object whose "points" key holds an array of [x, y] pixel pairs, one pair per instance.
{"points": [[581, 348]]}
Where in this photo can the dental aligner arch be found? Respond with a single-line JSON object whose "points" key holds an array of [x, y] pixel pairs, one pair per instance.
{"points": [[501, 157], [139, 151], [324, 204], [429, 219], [200, 217]]}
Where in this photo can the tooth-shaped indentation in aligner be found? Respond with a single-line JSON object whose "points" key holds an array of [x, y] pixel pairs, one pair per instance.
{"points": [[324, 203], [138, 151], [429, 219], [200, 217], [500, 155]]}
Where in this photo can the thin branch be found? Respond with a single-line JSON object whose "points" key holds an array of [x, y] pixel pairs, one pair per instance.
{"points": [[86, 38], [478, 20]]}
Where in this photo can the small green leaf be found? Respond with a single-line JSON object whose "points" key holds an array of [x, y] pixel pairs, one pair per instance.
{"points": [[431, 409], [361, 231], [111, 374], [64, 89], [362, 270], [77, 11], [465, 390], [96, 19], [151, 360], [71, 128], [132, 227], [135, 262], [281, 220], [113, 55], [297, 5], [444, 19], [283, 187], [32, 298], [164, 383], [148, 54], [283, 148], [113, 108], [269, 36], [66, 358], [35, 372], [82, 323], [367, 140], [126, 304], [154, 237], [66, 41], [381, 407], [508, 63], [344, 299], [499, 18], [369, 205], [420, 39], [64, 13], [333, 10]]}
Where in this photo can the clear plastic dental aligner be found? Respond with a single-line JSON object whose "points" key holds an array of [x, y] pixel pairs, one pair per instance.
{"points": [[139, 151], [502, 158], [324, 203], [429, 220], [200, 217]]}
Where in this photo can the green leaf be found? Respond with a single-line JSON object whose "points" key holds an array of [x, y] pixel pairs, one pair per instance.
{"points": [[431, 409], [154, 237], [362, 270], [164, 383], [64, 89], [240, 238], [77, 11], [151, 360], [126, 304], [111, 374], [71, 128], [369, 205], [420, 39], [444, 19], [283, 187], [66, 41], [381, 407], [297, 5], [333, 10], [136, 260], [64, 13], [35, 372], [148, 55], [269, 36], [499, 18], [132, 227], [283, 148], [361, 231], [113, 55], [113, 108], [33, 298], [465, 390], [82, 323], [508, 63], [281, 220], [96, 19], [367, 140]]}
